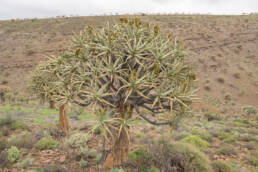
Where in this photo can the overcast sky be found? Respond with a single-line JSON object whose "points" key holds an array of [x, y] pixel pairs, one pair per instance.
{"points": [[12, 9]]}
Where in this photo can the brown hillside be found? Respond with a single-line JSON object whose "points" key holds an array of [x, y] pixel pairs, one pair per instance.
{"points": [[223, 50]]}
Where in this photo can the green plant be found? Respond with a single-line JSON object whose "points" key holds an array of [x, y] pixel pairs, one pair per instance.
{"points": [[122, 67], [202, 133], [3, 143], [154, 169], [226, 150], [184, 157], [211, 116], [197, 141], [13, 154], [221, 166], [25, 163], [250, 110], [83, 163], [116, 170], [46, 143], [25, 140], [138, 155], [253, 159], [78, 140], [16, 125]]}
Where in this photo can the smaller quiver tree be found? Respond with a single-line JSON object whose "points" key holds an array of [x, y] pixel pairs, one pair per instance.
{"points": [[47, 82]]}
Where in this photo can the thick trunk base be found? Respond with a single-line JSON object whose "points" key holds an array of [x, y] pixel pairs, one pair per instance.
{"points": [[63, 124], [118, 153]]}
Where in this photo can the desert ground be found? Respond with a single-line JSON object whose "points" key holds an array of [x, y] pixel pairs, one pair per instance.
{"points": [[222, 130]]}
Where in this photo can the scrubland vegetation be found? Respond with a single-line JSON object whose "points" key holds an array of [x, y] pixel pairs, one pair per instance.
{"points": [[219, 133]]}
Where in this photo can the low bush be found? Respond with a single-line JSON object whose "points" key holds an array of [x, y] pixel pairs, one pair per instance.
{"points": [[202, 133], [253, 159], [226, 150], [25, 163], [18, 125], [54, 168], [197, 141], [174, 157], [78, 140], [212, 116], [25, 140], [3, 143], [116, 170], [4, 162], [46, 143], [83, 163], [13, 154], [221, 166]]}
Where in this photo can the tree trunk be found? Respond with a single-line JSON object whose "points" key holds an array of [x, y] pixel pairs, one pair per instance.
{"points": [[118, 153], [119, 147], [52, 104], [63, 119]]}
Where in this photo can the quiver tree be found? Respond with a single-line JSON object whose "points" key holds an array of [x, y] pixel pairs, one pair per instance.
{"points": [[125, 70], [50, 83]]}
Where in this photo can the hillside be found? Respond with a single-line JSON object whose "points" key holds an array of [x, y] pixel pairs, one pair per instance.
{"points": [[220, 135], [223, 50]]}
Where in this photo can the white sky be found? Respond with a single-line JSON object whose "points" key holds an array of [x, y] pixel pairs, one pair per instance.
{"points": [[12, 9]]}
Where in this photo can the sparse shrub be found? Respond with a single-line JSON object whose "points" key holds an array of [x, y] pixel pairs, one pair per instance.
{"points": [[221, 80], [221, 166], [138, 155], [227, 97], [25, 163], [181, 157], [207, 87], [250, 110], [46, 143], [13, 154], [4, 162], [78, 140], [202, 133], [5, 131], [253, 159], [182, 135], [211, 116], [6, 121], [3, 143], [83, 163], [116, 170], [226, 150], [197, 141], [54, 168], [236, 75], [25, 140], [154, 169], [3, 91], [16, 125]]}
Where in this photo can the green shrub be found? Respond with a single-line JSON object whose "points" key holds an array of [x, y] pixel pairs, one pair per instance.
{"points": [[83, 163], [154, 169], [78, 140], [16, 125], [203, 134], [6, 121], [250, 110], [138, 155], [212, 116], [25, 140], [253, 160], [182, 135], [183, 155], [3, 143], [25, 163], [4, 162], [13, 154], [197, 141], [46, 143], [116, 170], [221, 166], [226, 150]]}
